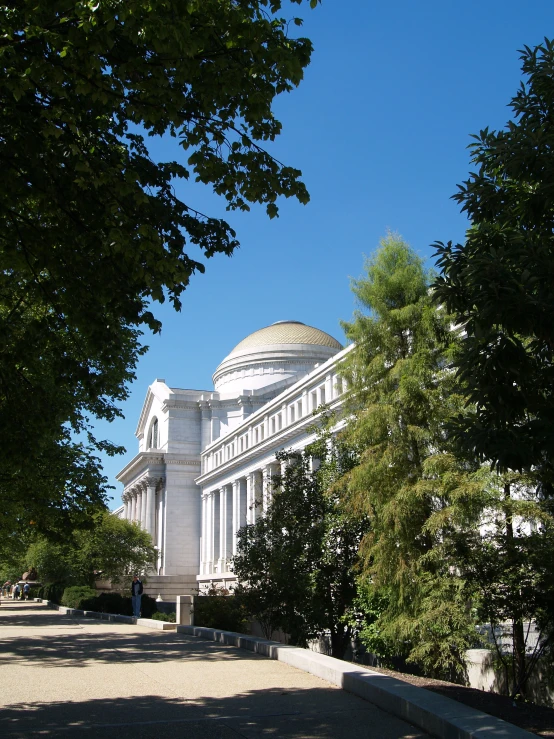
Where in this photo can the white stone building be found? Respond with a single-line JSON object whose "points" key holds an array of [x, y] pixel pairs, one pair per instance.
{"points": [[207, 457]]}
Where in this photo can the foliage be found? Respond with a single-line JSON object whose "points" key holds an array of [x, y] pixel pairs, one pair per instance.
{"points": [[74, 595], [50, 561], [113, 548], [498, 283], [509, 564], [167, 617], [52, 592], [217, 609], [400, 399], [295, 565], [119, 604], [91, 228]]}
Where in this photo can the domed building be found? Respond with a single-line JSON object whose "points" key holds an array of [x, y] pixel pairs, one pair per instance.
{"points": [[207, 458]]}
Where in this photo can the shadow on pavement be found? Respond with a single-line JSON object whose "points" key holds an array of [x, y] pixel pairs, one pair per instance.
{"points": [[22, 613], [82, 647], [322, 713]]}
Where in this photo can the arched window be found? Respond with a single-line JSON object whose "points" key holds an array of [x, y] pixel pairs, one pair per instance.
{"points": [[153, 435]]}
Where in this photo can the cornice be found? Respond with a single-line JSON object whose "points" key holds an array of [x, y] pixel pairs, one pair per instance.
{"points": [[136, 465], [188, 405], [275, 443], [273, 405]]}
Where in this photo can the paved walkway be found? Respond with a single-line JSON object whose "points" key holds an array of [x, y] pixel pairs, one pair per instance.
{"points": [[60, 675]]}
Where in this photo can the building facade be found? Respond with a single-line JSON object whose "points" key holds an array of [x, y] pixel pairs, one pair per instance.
{"points": [[207, 458]]}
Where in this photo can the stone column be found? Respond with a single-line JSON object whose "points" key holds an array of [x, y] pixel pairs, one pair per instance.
{"points": [[249, 499], [266, 487], [149, 521], [138, 503], [328, 388], [208, 533], [142, 515], [236, 514], [125, 497], [215, 517], [133, 494], [258, 494], [202, 532], [225, 509]]}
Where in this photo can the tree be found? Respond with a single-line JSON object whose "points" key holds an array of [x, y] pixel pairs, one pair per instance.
{"points": [[400, 399], [498, 283], [112, 549], [91, 228], [295, 565]]}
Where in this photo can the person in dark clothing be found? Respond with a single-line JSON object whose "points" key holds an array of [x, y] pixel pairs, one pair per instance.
{"points": [[136, 593]]}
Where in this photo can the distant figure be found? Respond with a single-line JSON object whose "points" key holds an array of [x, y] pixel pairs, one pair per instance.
{"points": [[16, 591], [26, 589], [136, 593]]}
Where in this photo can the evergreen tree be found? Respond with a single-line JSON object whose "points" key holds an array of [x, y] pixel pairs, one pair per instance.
{"points": [[400, 398]]}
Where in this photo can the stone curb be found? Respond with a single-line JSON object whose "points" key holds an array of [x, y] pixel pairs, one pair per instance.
{"points": [[111, 617], [441, 717], [152, 623]]}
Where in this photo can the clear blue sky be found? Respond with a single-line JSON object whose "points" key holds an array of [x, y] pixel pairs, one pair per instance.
{"points": [[379, 128]]}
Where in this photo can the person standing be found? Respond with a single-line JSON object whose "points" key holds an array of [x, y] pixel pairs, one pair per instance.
{"points": [[26, 589], [136, 593]]}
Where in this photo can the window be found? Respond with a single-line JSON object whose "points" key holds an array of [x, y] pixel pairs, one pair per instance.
{"points": [[153, 435], [291, 412]]}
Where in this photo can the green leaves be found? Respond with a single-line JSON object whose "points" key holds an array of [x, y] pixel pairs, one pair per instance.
{"points": [[499, 282], [296, 564], [91, 229]]}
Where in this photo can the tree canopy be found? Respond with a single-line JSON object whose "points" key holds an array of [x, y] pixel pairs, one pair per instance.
{"points": [[400, 399], [498, 283], [296, 564], [91, 228]]}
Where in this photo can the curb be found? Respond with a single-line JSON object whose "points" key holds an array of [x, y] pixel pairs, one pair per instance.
{"points": [[441, 717], [149, 623], [111, 617]]}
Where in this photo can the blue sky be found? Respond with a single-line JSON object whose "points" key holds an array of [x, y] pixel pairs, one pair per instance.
{"points": [[379, 128]]}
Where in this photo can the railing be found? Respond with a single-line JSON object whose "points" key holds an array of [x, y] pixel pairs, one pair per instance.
{"points": [[287, 409]]}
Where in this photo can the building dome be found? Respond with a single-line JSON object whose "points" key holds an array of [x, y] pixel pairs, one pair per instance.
{"points": [[287, 332], [286, 350]]}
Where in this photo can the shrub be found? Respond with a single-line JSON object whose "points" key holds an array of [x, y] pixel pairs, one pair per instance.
{"points": [[53, 592], [118, 604], [167, 617], [218, 610], [75, 595], [109, 603], [148, 606]]}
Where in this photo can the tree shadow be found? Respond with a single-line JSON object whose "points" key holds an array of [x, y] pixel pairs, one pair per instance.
{"points": [[81, 648], [28, 613], [313, 713]]}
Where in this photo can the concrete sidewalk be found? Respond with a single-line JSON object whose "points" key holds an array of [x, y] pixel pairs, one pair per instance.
{"points": [[61, 674]]}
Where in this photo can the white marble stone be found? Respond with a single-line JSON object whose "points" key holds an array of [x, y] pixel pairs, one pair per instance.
{"points": [[206, 458]]}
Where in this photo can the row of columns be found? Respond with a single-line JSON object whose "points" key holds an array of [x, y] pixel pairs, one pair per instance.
{"points": [[139, 503], [227, 509]]}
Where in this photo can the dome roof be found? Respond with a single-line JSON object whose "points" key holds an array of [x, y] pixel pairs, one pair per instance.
{"points": [[280, 353], [287, 332]]}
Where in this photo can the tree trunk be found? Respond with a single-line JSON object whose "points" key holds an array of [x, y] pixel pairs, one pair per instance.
{"points": [[340, 641], [518, 634]]}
